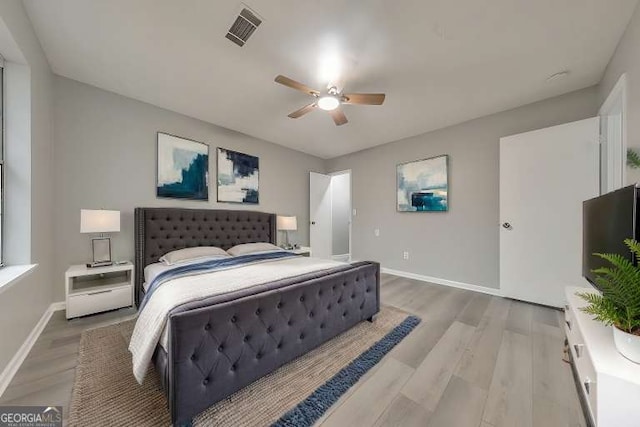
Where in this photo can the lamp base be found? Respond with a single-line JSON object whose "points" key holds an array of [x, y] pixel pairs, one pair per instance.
{"points": [[99, 264]]}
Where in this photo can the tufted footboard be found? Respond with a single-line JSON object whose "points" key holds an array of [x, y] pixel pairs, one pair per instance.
{"points": [[220, 345]]}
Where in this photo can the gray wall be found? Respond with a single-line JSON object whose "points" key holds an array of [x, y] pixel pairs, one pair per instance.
{"points": [[626, 59], [105, 157], [96, 130], [340, 212], [22, 305], [462, 244]]}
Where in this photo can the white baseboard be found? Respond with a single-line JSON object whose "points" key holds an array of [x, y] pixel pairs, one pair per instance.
{"points": [[57, 306], [17, 359], [343, 257], [445, 282]]}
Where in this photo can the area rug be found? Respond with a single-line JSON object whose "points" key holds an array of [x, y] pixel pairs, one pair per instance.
{"points": [[105, 392]]}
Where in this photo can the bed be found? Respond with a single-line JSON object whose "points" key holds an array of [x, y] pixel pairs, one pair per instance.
{"points": [[217, 345]]}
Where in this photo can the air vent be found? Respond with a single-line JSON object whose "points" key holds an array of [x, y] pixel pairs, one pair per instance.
{"points": [[244, 25]]}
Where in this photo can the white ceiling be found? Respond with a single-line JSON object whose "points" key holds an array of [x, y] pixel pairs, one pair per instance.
{"points": [[440, 62]]}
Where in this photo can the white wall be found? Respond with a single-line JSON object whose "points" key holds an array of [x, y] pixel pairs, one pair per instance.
{"points": [[462, 244], [22, 305], [105, 157], [340, 212], [626, 59]]}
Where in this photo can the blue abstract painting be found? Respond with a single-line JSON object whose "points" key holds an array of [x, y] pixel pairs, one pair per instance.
{"points": [[238, 177], [183, 168], [423, 185]]}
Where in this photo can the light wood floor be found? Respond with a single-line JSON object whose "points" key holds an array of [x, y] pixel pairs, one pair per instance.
{"points": [[475, 360]]}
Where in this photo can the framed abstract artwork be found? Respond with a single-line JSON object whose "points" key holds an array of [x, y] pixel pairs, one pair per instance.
{"points": [[183, 168], [423, 185], [238, 177]]}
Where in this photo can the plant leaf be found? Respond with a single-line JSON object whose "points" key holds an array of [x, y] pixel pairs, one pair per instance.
{"points": [[633, 159], [619, 303]]}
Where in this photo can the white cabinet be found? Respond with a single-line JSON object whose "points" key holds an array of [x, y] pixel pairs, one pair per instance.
{"points": [[92, 290], [609, 383]]}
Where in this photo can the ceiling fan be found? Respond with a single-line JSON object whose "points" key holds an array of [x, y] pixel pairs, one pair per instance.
{"points": [[330, 100]]}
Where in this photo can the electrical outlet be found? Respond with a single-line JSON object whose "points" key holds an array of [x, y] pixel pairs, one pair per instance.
{"points": [[405, 255], [355, 212], [376, 232]]}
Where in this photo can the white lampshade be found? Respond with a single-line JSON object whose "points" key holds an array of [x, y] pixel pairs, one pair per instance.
{"points": [[99, 221], [287, 223]]}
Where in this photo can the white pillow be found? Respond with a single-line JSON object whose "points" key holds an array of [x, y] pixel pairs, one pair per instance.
{"points": [[251, 248], [186, 255]]}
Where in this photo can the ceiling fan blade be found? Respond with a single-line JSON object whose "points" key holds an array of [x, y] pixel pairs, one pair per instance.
{"points": [[363, 98], [338, 116], [296, 85], [304, 110]]}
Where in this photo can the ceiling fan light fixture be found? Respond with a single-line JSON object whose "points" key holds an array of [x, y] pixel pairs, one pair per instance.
{"points": [[328, 102]]}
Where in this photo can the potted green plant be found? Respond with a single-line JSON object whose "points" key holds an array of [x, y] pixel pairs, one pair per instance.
{"points": [[618, 304]]}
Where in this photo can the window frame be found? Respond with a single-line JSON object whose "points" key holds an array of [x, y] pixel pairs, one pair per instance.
{"points": [[2, 164]]}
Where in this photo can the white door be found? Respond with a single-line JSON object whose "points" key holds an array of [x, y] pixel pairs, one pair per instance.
{"points": [[545, 175], [320, 230]]}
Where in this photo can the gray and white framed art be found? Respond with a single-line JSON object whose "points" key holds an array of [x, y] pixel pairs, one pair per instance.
{"points": [[238, 177]]}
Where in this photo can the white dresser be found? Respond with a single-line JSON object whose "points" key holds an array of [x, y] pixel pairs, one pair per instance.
{"points": [[609, 383]]}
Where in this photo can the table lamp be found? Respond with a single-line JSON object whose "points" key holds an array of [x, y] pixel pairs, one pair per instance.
{"points": [[286, 224], [100, 221]]}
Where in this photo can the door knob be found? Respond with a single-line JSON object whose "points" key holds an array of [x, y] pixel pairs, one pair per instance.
{"points": [[588, 385], [506, 226], [313, 223]]}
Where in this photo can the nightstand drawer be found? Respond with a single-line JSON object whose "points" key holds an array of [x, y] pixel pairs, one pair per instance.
{"points": [[99, 300]]}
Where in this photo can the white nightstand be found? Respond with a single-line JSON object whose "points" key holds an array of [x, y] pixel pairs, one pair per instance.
{"points": [[92, 290], [302, 250]]}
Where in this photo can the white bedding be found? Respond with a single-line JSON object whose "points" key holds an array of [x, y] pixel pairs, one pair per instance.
{"points": [[151, 323], [152, 270]]}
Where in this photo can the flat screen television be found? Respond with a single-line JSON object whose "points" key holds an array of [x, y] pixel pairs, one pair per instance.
{"points": [[607, 221]]}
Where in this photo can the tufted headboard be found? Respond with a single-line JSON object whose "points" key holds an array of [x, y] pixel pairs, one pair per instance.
{"points": [[160, 230]]}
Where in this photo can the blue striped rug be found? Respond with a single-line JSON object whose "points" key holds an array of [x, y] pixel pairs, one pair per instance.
{"points": [[313, 407]]}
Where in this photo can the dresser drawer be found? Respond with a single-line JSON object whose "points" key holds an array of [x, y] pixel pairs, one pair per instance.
{"points": [[587, 375], [570, 327], [582, 360], [97, 301]]}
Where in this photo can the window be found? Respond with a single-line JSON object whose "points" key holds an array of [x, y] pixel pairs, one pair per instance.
{"points": [[1, 161]]}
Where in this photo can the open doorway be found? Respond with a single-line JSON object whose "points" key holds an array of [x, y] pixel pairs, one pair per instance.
{"points": [[341, 215], [613, 138], [330, 214]]}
